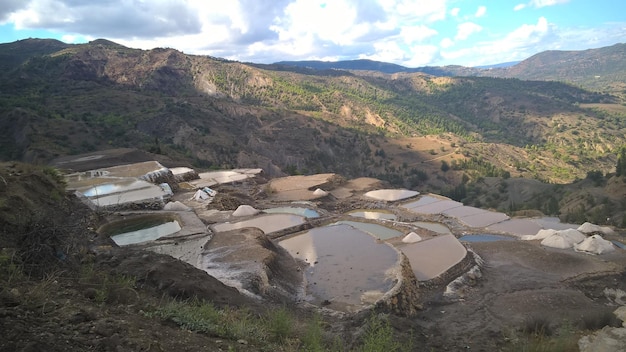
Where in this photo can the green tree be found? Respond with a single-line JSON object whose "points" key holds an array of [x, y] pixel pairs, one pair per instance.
{"points": [[620, 169]]}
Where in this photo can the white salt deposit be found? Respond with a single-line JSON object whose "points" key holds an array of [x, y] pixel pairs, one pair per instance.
{"points": [[412, 237], [200, 196], [391, 195], [320, 192], [541, 234], [588, 228], [595, 245], [607, 230], [563, 239], [176, 206], [245, 210]]}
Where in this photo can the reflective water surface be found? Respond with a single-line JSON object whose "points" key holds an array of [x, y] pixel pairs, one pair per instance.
{"points": [[347, 267]]}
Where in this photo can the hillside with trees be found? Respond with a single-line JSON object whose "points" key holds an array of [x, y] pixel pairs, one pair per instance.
{"points": [[58, 99]]}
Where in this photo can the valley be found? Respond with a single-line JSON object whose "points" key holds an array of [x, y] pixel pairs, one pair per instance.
{"points": [[516, 144]]}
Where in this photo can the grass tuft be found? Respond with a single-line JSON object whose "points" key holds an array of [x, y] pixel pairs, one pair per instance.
{"points": [[280, 324], [379, 336]]}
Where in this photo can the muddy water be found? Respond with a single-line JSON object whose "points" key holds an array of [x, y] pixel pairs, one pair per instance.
{"points": [[373, 214], [378, 231], [347, 267], [147, 234], [267, 223], [435, 256]]}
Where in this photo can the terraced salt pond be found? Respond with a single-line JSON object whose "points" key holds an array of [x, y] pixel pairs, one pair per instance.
{"points": [[391, 195], [348, 268], [433, 226], [433, 257], [140, 229], [306, 212], [484, 238], [373, 214], [267, 223], [379, 231], [113, 186], [105, 192]]}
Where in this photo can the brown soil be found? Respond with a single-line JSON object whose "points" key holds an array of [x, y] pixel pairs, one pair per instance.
{"points": [[522, 282]]}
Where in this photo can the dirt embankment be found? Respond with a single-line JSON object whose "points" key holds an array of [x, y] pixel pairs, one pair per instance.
{"points": [[62, 287]]}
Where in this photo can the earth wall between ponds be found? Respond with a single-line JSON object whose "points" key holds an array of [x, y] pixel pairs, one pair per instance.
{"points": [[403, 299]]}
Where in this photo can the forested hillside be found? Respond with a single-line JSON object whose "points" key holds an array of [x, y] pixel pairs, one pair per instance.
{"points": [[412, 129]]}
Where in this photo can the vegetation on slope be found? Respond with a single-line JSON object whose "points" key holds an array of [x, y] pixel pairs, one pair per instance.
{"points": [[57, 100]]}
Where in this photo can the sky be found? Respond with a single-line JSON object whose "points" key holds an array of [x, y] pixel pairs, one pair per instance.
{"points": [[411, 33]]}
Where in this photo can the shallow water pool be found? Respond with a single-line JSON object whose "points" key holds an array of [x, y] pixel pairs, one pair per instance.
{"points": [[373, 214], [116, 186], [139, 229], [433, 226], [379, 231], [306, 212], [347, 267], [267, 223]]}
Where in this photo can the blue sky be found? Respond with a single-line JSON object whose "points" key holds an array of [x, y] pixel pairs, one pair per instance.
{"points": [[406, 32]]}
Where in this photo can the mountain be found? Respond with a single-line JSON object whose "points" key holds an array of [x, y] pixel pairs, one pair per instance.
{"points": [[500, 65], [602, 69], [58, 99], [370, 65]]}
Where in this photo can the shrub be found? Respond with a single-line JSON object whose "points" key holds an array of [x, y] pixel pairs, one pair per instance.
{"points": [[280, 324], [379, 336]]}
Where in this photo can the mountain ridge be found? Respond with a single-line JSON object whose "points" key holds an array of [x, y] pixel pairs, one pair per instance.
{"points": [[591, 68], [430, 133]]}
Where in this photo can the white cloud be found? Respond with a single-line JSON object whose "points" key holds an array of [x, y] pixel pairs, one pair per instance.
{"points": [[544, 3], [407, 32], [7, 7], [464, 30], [421, 55], [74, 39], [529, 32], [416, 33], [482, 10], [429, 11], [519, 44], [539, 4], [386, 51], [446, 43]]}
